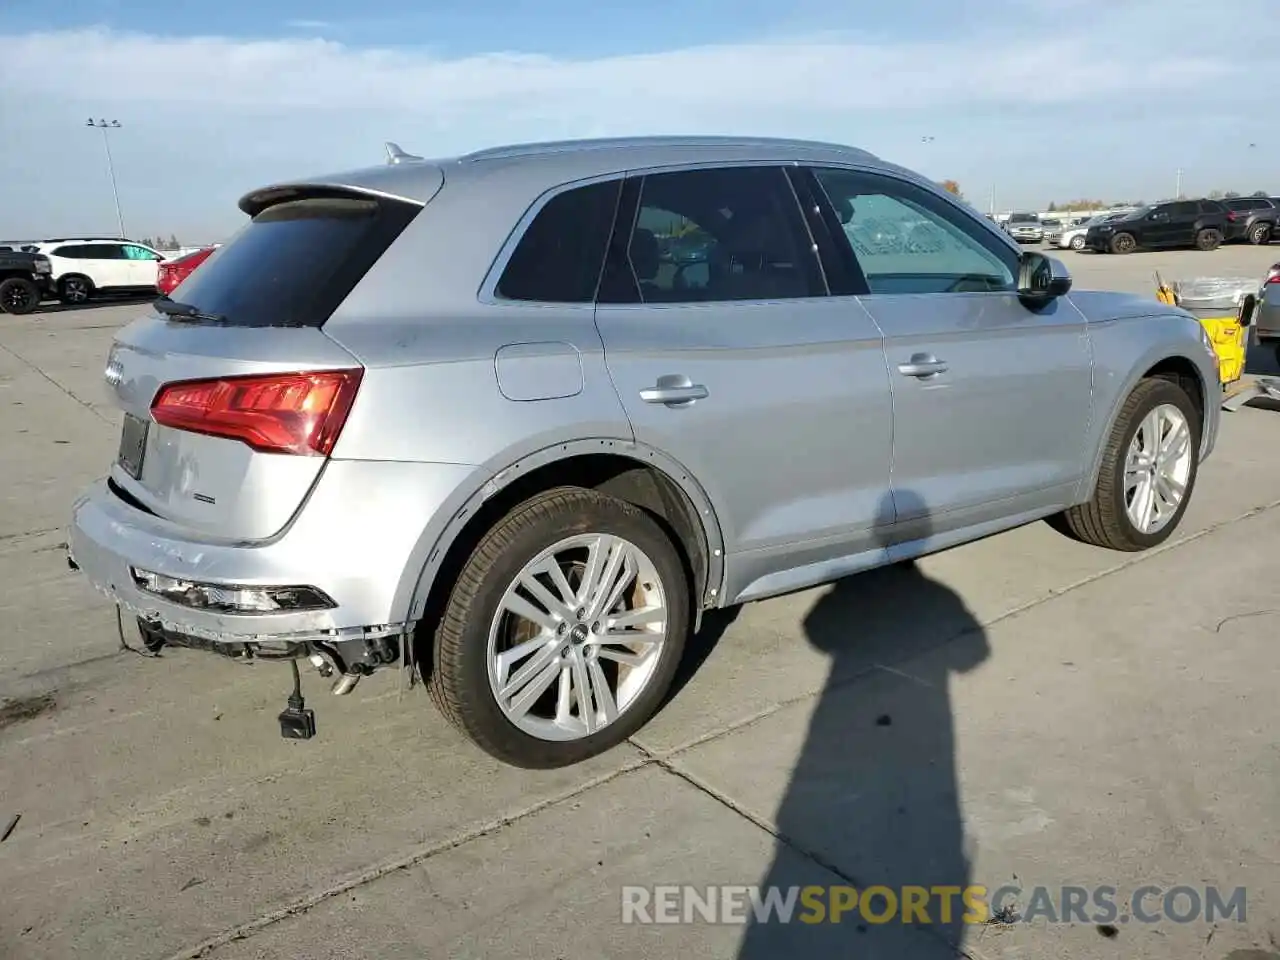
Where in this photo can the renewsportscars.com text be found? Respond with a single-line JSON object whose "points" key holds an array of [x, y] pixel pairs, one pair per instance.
{"points": [[1148, 903]]}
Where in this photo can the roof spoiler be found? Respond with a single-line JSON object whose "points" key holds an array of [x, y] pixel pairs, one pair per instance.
{"points": [[396, 155]]}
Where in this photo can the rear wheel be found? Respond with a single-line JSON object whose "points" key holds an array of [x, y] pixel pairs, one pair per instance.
{"points": [[18, 295], [1123, 243], [1260, 234], [563, 631], [1208, 239], [1148, 472], [75, 289]]}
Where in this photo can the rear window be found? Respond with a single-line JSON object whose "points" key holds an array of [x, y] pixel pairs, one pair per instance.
{"points": [[1023, 218], [296, 261]]}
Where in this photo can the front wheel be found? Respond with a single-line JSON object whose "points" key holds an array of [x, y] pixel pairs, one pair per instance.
{"points": [[1208, 239], [564, 630], [18, 296], [1260, 235], [1077, 244], [1148, 472]]}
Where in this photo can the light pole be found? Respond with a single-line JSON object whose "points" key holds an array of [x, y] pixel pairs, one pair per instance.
{"points": [[1178, 195], [104, 126]]}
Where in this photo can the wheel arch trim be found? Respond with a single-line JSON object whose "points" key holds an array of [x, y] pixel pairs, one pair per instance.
{"points": [[489, 484]]}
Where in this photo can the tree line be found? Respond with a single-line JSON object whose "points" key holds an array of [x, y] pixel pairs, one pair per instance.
{"points": [[160, 243]]}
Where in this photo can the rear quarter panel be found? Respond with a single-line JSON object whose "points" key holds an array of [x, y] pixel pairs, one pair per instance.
{"points": [[1130, 335]]}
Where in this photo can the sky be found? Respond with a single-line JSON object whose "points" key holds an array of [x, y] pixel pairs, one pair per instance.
{"points": [[1036, 100]]}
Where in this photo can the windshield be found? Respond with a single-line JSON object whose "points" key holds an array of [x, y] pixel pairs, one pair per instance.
{"points": [[1136, 214]]}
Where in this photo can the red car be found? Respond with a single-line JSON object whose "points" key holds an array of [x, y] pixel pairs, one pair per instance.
{"points": [[173, 272]]}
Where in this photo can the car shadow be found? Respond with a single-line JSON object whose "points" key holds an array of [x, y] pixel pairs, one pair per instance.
{"points": [[53, 306], [873, 799]]}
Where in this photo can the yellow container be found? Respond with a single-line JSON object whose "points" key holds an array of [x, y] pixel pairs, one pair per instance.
{"points": [[1228, 334], [1230, 343]]}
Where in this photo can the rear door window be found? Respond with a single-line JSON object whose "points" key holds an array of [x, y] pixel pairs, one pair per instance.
{"points": [[713, 235], [296, 261], [559, 257]]}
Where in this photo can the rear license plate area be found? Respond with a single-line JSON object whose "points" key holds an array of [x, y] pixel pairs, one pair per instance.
{"points": [[133, 445]]}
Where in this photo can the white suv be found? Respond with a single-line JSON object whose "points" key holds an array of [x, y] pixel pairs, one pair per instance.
{"points": [[83, 267]]}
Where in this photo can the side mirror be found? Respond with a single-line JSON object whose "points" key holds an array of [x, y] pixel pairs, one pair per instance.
{"points": [[1042, 279]]}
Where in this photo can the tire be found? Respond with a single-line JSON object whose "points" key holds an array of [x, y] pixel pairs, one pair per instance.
{"points": [[1260, 234], [1077, 244], [1208, 239], [18, 296], [463, 681], [75, 289], [1104, 521], [1123, 243]]}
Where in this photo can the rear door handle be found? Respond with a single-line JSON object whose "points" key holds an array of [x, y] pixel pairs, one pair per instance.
{"points": [[922, 366], [674, 391]]}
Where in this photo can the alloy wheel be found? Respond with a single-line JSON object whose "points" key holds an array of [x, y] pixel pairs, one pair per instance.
{"points": [[1157, 468], [75, 291], [17, 299], [577, 637]]}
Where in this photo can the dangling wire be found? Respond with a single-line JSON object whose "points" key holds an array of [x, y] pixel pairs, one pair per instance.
{"points": [[124, 644]]}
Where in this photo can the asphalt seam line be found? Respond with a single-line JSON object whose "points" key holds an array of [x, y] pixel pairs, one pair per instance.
{"points": [[31, 366], [422, 853], [664, 761]]}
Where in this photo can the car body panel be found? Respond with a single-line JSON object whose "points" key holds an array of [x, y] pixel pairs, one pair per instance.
{"points": [[1266, 316], [1004, 421], [802, 383], [1131, 335]]}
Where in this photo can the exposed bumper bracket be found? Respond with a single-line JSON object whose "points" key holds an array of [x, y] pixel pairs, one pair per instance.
{"points": [[1268, 387]]}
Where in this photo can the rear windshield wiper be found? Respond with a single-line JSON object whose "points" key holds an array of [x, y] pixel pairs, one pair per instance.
{"points": [[174, 308]]}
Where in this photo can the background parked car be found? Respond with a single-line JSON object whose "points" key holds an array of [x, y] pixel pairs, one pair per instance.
{"points": [[1201, 224], [1024, 227], [86, 267], [1266, 318], [24, 280], [173, 272], [1072, 237], [1252, 219]]}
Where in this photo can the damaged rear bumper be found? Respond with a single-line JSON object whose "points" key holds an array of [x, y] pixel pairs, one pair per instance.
{"points": [[348, 563]]}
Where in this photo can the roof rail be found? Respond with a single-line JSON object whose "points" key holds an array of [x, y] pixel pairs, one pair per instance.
{"points": [[396, 155], [516, 150], [87, 240]]}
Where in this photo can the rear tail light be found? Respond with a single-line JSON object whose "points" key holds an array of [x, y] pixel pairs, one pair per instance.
{"points": [[298, 413], [1231, 215], [1273, 276]]}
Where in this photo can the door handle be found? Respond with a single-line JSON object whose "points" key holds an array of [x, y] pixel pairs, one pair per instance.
{"points": [[923, 366], [674, 390]]}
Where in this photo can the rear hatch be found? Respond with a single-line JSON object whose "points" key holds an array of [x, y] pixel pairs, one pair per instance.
{"points": [[233, 395]]}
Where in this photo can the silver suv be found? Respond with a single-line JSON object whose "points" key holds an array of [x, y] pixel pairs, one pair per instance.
{"points": [[512, 421]]}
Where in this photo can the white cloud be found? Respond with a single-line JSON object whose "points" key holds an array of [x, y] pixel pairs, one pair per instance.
{"points": [[242, 111], [309, 24]]}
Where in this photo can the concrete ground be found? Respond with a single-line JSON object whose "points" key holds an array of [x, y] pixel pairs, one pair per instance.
{"points": [[1024, 710]]}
